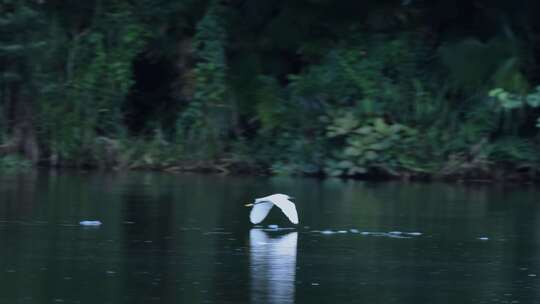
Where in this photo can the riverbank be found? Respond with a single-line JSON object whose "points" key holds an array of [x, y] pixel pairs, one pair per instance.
{"points": [[239, 167], [127, 88]]}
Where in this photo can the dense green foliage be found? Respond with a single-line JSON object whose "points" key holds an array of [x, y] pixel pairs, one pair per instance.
{"points": [[341, 88]]}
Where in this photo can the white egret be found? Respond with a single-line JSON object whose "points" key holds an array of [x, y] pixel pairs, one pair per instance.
{"points": [[262, 206]]}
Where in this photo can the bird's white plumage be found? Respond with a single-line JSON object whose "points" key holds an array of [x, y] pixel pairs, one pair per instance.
{"points": [[260, 211], [262, 207]]}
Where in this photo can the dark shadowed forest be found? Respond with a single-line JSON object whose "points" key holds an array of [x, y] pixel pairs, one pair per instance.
{"points": [[366, 89]]}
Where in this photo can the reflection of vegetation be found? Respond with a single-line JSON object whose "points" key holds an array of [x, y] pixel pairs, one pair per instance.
{"points": [[14, 163], [355, 88]]}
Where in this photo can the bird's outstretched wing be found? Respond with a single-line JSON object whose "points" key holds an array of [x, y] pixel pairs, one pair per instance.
{"points": [[260, 211], [288, 208]]}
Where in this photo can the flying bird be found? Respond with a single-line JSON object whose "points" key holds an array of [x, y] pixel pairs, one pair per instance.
{"points": [[262, 206]]}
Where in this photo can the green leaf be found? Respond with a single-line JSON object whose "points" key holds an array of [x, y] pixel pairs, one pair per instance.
{"points": [[345, 164], [371, 155], [533, 100], [335, 173], [11, 76], [352, 151], [381, 126], [357, 170], [12, 48], [495, 92], [511, 104], [380, 146], [396, 128], [364, 130]]}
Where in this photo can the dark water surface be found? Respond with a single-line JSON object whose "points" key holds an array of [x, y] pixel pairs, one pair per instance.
{"points": [[187, 239]]}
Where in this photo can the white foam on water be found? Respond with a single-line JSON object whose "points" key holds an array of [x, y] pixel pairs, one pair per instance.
{"points": [[90, 223]]}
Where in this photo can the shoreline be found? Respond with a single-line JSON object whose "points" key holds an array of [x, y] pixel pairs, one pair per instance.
{"points": [[205, 168]]}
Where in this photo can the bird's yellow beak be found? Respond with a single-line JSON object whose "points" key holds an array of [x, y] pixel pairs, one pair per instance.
{"points": [[248, 205]]}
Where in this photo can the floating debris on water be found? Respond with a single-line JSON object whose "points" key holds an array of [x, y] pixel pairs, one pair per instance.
{"points": [[397, 236], [391, 234], [90, 223], [327, 232]]}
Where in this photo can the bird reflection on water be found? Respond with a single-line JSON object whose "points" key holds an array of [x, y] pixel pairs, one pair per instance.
{"points": [[272, 266]]}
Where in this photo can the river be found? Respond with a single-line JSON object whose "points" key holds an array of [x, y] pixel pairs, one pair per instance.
{"points": [[169, 238]]}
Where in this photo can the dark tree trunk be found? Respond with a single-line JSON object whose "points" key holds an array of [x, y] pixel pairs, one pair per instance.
{"points": [[23, 135]]}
